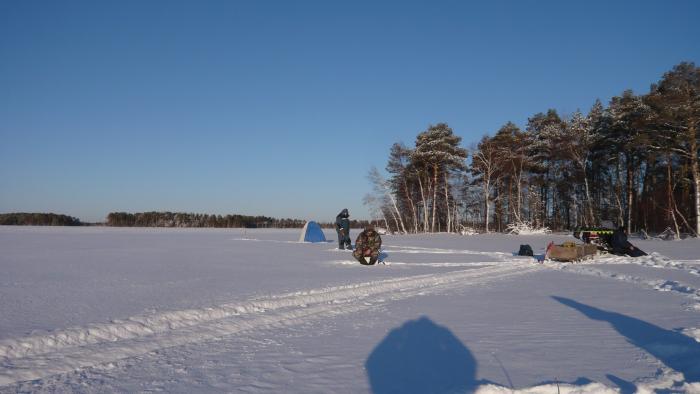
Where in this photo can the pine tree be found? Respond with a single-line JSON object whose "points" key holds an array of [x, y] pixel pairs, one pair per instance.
{"points": [[438, 151], [676, 101]]}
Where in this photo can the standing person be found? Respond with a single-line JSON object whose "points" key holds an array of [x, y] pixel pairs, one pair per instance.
{"points": [[342, 227], [367, 245]]}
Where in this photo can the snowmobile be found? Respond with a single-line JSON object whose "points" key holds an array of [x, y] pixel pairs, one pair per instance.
{"points": [[594, 235], [609, 240]]}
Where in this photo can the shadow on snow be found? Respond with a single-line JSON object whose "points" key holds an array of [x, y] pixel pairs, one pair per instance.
{"points": [[677, 351], [421, 357]]}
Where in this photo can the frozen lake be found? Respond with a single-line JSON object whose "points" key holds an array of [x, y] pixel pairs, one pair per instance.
{"points": [[95, 309]]}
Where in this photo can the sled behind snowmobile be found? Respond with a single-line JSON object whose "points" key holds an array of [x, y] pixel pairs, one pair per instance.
{"points": [[570, 251]]}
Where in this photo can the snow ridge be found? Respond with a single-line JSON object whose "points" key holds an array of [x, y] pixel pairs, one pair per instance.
{"points": [[656, 284], [39, 356], [653, 260]]}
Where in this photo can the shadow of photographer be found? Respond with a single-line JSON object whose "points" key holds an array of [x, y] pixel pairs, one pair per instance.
{"points": [[421, 357]]}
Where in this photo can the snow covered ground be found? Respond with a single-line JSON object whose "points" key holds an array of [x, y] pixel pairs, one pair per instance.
{"points": [[192, 310]]}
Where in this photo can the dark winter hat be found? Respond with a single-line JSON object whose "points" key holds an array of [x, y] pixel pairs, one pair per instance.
{"points": [[369, 227]]}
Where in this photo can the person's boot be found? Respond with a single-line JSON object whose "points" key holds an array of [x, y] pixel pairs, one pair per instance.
{"points": [[362, 260], [372, 260]]}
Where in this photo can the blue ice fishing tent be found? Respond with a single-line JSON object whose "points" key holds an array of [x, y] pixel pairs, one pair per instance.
{"points": [[312, 233]]}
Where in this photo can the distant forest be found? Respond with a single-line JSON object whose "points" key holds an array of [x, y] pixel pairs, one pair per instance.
{"points": [[164, 219], [635, 162], [38, 219], [178, 219]]}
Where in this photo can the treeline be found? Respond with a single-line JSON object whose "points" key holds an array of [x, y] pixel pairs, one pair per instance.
{"points": [[38, 219], [634, 162], [164, 219], [179, 219]]}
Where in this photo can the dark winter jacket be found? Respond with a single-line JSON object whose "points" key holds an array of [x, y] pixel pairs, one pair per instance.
{"points": [[618, 241], [342, 222], [368, 244], [621, 246]]}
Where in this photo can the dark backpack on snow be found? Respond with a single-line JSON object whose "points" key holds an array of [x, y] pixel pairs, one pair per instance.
{"points": [[525, 250]]}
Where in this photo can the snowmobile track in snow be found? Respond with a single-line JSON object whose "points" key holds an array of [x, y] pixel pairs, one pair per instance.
{"points": [[35, 357]]}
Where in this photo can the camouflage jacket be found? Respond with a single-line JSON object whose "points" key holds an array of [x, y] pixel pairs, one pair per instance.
{"points": [[368, 241]]}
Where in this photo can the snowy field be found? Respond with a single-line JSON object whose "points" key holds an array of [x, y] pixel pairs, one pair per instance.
{"points": [[194, 310]]}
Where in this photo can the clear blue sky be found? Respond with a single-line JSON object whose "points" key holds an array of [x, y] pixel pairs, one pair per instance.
{"points": [[281, 107]]}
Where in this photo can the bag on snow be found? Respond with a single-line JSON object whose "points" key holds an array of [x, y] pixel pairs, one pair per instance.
{"points": [[525, 250]]}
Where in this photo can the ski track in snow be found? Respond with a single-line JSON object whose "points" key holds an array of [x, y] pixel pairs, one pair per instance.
{"points": [[477, 264], [269, 240], [421, 250], [36, 357], [499, 256]]}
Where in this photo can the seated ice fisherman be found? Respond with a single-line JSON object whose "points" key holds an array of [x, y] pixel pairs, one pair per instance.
{"points": [[367, 246]]}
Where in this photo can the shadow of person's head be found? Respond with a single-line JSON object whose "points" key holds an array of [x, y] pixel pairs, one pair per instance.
{"points": [[421, 357]]}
